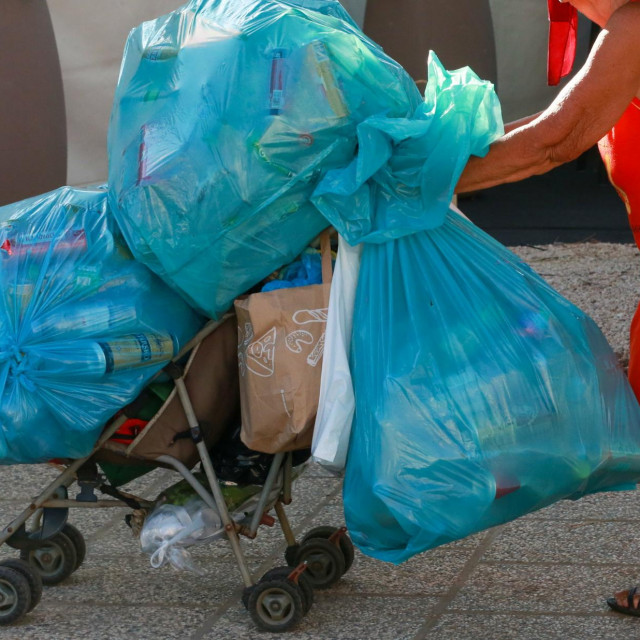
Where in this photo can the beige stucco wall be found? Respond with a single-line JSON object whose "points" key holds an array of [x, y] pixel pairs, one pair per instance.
{"points": [[91, 36]]}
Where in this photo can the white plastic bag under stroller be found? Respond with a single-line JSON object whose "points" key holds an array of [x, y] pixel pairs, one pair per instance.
{"points": [[337, 403], [171, 528]]}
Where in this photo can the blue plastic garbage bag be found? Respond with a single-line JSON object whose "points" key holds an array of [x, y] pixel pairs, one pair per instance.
{"points": [[481, 393], [83, 326], [226, 115], [305, 271]]}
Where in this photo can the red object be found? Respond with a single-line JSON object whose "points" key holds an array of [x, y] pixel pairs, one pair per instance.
{"points": [[563, 34], [506, 483], [619, 151], [129, 430], [267, 520]]}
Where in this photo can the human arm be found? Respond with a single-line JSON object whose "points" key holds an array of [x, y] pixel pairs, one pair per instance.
{"points": [[584, 111], [516, 124]]}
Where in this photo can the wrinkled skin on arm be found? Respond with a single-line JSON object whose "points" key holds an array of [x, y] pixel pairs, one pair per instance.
{"points": [[584, 111]]}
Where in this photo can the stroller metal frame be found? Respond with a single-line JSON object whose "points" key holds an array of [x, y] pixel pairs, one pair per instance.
{"points": [[328, 549]]}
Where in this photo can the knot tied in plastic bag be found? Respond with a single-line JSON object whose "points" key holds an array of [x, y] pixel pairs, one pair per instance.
{"points": [[403, 177]]}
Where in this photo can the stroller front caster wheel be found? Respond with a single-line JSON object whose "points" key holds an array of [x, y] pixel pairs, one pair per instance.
{"points": [[304, 583], [32, 576], [276, 605], [325, 562], [15, 595], [346, 546], [77, 539], [55, 560]]}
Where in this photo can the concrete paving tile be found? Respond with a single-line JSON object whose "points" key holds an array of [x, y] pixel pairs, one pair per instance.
{"points": [[332, 514], [148, 485], [430, 574], [317, 470], [51, 621], [131, 581], [312, 496], [24, 481], [464, 626], [543, 588], [602, 506], [564, 541], [335, 617]]}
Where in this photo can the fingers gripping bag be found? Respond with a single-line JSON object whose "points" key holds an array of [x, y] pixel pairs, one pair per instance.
{"points": [[481, 394], [83, 326], [227, 114]]}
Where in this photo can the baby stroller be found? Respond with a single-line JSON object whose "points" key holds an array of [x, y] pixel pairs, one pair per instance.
{"points": [[202, 407]]}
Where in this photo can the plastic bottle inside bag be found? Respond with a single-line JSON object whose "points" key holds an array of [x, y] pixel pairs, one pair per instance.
{"points": [[277, 82], [303, 80], [95, 359], [137, 350], [80, 358], [84, 319], [20, 242], [502, 408], [19, 296], [160, 52], [321, 61]]}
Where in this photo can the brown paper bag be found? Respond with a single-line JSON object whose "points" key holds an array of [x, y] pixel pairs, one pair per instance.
{"points": [[280, 345]]}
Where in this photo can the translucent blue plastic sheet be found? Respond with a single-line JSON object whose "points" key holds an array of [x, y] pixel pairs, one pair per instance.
{"points": [[305, 271], [481, 393], [226, 115], [83, 326]]}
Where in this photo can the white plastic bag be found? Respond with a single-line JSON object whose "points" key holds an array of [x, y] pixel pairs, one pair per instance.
{"points": [[170, 528], [337, 404]]}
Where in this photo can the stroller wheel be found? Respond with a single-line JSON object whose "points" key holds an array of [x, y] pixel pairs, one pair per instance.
{"points": [[276, 605], [55, 560], [31, 575], [346, 546], [325, 562], [306, 588], [15, 595], [77, 539]]}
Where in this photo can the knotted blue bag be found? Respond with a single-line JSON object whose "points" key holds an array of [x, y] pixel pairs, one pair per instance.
{"points": [[226, 116], [83, 326], [481, 393]]}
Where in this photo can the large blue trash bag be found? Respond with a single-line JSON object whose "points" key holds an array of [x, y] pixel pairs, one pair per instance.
{"points": [[481, 393], [226, 115], [83, 326]]}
